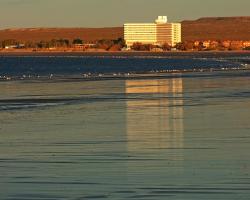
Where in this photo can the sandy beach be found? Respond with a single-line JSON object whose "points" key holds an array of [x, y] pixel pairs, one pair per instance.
{"points": [[30, 52]]}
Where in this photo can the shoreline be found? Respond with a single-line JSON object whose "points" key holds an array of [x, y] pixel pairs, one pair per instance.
{"points": [[125, 76], [115, 53]]}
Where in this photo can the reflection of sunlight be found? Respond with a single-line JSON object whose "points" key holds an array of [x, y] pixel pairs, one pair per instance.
{"points": [[154, 114]]}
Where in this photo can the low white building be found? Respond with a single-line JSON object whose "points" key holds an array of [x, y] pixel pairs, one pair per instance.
{"points": [[158, 33], [18, 46]]}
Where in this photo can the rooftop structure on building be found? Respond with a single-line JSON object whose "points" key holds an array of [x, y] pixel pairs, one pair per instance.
{"points": [[161, 20]]}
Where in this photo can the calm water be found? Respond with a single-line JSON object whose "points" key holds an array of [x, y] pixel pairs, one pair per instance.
{"points": [[60, 64], [174, 136]]}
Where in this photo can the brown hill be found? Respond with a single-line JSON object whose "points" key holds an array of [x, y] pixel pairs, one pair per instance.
{"points": [[38, 34], [219, 28]]}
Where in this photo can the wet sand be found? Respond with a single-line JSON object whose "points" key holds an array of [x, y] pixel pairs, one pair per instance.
{"points": [[169, 138]]}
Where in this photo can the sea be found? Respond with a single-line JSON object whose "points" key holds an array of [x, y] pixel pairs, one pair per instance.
{"points": [[125, 126]]}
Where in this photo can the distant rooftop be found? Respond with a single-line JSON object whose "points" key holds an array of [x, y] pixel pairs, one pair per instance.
{"points": [[161, 20]]}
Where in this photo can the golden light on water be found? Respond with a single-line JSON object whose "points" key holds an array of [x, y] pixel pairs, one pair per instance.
{"points": [[158, 122]]}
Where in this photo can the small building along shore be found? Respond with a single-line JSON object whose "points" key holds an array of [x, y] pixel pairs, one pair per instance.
{"points": [[159, 33]]}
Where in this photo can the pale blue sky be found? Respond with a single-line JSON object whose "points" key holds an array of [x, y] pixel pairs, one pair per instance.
{"points": [[106, 13]]}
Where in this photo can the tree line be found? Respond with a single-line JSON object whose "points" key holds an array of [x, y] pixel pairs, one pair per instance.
{"points": [[195, 46], [119, 43], [116, 44]]}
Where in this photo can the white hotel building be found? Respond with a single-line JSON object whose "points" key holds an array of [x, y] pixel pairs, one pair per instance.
{"points": [[158, 33]]}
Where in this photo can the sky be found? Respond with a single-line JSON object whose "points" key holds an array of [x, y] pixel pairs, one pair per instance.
{"points": [[110, 13]]}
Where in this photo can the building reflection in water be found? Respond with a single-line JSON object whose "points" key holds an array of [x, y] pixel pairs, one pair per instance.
{"points": [[154, 115]]}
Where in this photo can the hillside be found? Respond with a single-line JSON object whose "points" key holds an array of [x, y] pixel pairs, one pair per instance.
{"points": [[38, 34], [220, 28]]}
